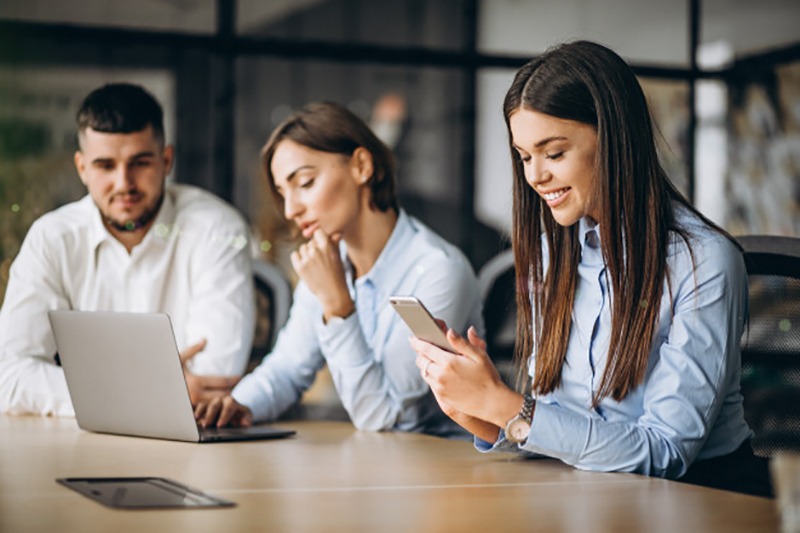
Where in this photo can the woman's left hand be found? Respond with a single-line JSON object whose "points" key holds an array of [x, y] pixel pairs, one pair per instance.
{"points": [[465, 381], [319, 265]]}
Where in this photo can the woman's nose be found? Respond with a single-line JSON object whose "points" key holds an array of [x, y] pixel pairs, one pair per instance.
{"points": [[291, 207], [536, 173]]}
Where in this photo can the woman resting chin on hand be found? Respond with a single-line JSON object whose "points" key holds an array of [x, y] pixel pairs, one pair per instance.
{"points": [[335, 181]]}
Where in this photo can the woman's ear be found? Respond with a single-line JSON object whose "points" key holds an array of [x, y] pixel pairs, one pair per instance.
{"points": [[361, 164]]}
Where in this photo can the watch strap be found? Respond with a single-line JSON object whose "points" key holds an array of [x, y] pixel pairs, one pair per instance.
{"points": [[526, 413]]}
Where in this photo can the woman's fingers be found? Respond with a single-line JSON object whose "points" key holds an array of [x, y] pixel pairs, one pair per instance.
{"points": [[428, 350], [321, 240], [475, 340], [464, 346]]}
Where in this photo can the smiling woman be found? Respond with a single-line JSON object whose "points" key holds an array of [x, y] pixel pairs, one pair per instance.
{"points": [[630, 303], [558, 158], [335, 182]]}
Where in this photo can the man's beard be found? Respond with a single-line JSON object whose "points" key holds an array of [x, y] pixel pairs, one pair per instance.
{"points": [[142, 221]]}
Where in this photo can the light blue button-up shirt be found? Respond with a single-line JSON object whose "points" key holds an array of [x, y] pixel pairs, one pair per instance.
{"points": [[689, 406], [368, 353]]}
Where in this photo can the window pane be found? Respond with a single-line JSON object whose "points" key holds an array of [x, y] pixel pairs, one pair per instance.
{"points": [[750, 27], [194, 16], [764, 153], [402, 23], [646, 31]]}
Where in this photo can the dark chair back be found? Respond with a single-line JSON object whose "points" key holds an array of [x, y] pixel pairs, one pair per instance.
{"points": [[771, 342], [273, 301], [497, 282]]}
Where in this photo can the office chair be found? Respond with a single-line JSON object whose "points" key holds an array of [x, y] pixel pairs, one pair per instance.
{"points": [[771, 343], [497, 285], [273, 301]]}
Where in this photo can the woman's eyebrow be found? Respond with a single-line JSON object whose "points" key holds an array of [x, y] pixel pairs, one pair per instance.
{"points": [[291, 175], [550, 139]]}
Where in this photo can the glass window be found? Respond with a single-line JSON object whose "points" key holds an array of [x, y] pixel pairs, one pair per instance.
{"points": [[749, 27], [194, 16], [400, 23], [642, 32]]}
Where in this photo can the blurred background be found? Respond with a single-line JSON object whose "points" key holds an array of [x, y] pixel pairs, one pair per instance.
{"points": [[722, 77]]}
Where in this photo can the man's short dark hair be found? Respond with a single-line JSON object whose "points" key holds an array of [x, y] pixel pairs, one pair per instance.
{"points": [[121, 108]]}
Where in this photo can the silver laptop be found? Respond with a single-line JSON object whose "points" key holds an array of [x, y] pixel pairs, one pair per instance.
{"points": [[124, 376]]}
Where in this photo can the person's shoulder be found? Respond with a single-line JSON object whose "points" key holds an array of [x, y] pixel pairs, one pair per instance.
{"points": [[701, 242], [71, 218], [195, 206], [693, 228]]}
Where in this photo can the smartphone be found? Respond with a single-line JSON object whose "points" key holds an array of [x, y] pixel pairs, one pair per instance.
{"points": [[419, 320]]}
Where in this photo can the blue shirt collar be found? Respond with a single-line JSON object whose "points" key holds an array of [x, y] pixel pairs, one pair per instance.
{"points": [[589, 231]]}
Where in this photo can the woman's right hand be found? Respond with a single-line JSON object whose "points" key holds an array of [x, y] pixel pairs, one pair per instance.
{"points": [[319, 265], [222, 411], [480, 428]]}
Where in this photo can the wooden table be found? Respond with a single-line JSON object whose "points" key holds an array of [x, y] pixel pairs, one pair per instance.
{"points": [[330, 477]]}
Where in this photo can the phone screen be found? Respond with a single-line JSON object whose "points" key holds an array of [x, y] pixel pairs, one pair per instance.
{"points": [[419, 320]]}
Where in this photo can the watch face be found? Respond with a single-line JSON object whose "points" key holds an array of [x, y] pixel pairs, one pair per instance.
{"points": [[518, 430]]}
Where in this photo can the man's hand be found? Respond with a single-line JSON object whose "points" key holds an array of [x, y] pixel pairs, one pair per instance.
{"points": [[204, 388]]}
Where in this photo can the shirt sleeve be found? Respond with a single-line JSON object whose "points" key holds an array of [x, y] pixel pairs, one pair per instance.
{"points": [[30, 381], [387, 392], [222, 301], [691, 370], [290, 368]]}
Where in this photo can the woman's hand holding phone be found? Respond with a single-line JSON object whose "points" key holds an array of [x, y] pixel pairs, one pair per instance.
{"points": [[459, 371], [463, 378]]}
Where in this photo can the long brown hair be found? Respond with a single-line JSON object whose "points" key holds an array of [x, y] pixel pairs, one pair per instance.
{"points": [[588, 83]]}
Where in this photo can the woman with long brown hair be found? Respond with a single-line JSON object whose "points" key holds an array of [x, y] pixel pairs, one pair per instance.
{"points": [[631, 304]]}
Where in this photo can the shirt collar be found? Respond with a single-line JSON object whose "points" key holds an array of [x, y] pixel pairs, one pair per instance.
{"points": [[590, 240], [163, 223]]}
